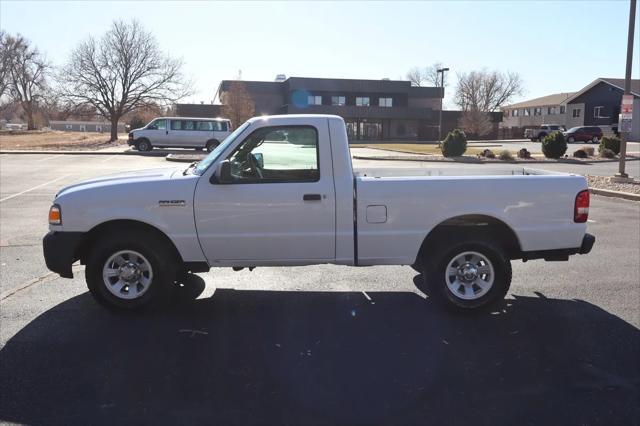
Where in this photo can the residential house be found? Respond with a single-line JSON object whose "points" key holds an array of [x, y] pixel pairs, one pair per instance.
{"points": [[85, 126], [549, 109]]}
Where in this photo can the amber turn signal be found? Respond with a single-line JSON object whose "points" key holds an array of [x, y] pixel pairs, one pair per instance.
{"points": [[55, 216]]}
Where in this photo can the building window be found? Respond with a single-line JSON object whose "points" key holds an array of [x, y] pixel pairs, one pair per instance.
{"points": [[314, 100], [597, 112], [527, 112], [83, 128], [514, 113], [68, 126], [576, 113], [338, 101], [551, 110], [385, 102], [562, 109], [362, 101], [537, 111]]}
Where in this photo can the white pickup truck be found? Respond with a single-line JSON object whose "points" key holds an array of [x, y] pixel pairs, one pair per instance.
{"points": [[281, 191]]}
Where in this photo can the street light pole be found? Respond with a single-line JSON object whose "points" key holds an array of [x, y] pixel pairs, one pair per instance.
{"points": [[627, 87], [441, 71]]}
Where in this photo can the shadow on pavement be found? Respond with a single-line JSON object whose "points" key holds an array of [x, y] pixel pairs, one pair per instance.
{"points": [[268, 357]]}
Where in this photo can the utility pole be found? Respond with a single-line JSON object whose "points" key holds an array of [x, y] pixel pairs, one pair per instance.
{"points": [[627, 89], [441, 71]]}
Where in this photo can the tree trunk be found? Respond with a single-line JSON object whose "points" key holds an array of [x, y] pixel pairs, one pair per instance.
{"points": [[28, 110], [114, 129]]}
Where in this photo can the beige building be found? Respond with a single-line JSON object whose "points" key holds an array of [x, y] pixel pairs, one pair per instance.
{"points": [[551, 109], [85, 126]]}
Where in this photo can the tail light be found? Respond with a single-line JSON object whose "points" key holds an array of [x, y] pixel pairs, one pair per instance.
{"points": [[581, 209]]}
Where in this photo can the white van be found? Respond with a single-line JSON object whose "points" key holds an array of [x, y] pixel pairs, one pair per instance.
{"points": [[181, 132]]}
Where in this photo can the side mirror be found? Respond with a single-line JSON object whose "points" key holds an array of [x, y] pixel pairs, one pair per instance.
{"points": [[223, 173], [259, 159]]}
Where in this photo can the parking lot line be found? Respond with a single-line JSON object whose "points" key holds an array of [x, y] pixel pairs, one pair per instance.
{"points": [[31, 189]]}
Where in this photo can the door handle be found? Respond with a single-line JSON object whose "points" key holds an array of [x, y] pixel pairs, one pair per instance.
{"points": [[312, 197], [166, 132]]}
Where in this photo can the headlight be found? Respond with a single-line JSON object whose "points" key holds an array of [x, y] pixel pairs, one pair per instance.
{"points": [[55, 215]]}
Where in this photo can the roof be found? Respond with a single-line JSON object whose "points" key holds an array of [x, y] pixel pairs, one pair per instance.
{"points": [[195, 118], [615, 82], [555, 99]]}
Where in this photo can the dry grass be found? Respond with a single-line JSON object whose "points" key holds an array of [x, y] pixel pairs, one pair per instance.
{"points": [[55, 140], [414, 148]]}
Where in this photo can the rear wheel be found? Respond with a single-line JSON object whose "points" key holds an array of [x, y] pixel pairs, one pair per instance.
{"points": [[212, 144], [541, 136], [131, 270], [594, 139], [470, 275], [144, 145]]}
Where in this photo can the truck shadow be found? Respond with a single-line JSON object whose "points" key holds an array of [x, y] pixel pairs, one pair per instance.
{"points": [[270, 357]]}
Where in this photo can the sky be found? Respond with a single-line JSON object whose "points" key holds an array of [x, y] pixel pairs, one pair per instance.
{"points": [[555, 46]]}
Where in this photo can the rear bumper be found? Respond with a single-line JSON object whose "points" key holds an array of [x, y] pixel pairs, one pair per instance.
{"points": [[59, 251], [562, 254]]}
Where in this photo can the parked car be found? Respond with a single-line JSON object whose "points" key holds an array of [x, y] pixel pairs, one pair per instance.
{"points": [[269, 197], [539, 133], [583, 134], [181, 132]]}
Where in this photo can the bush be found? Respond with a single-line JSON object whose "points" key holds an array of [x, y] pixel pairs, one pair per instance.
{"points": [[524, 153], [487, 153], [505, 155], [607, 153], [455, 144], [612, 143], [580, 153], [554, 145]]}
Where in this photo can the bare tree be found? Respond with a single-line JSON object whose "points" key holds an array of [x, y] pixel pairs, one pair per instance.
{"points": [[237, 103], [24, 71], [120, 72], [476, 122], [426, 76], [486, 90]]}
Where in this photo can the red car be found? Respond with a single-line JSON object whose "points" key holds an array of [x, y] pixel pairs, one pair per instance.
{"points": [[583, 134]]}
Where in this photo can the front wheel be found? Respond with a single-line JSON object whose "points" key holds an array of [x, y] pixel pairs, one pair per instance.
{"points": [[571, 139], [144, 145], [130, 271], [470, 275], [211, 145], [594, 139]]}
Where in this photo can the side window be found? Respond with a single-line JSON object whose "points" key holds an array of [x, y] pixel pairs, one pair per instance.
{"points": [[217, 126], [277, 155], [158, 125], [176, 124], [205, 125], [188, 125], [224, 126]]}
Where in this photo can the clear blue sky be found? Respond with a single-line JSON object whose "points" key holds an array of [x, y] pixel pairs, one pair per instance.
{"points": [[555, 46]]}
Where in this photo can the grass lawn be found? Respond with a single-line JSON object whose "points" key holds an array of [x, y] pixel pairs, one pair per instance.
{"points": [[54, 140], [416, 148]]}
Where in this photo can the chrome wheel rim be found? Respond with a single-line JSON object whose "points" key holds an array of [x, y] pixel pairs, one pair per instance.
{"points": [[469, 275], [127, 274]]}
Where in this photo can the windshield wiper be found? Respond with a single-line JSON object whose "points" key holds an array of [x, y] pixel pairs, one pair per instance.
{"points": [[192, 165]]}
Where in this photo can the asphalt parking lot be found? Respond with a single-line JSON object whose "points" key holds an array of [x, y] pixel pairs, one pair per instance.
{"points": [[314, 345]]}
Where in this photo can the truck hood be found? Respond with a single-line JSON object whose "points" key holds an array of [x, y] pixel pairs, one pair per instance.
{"points": [[138, 176]]}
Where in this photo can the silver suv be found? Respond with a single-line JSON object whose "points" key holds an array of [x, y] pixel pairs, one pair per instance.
{"points": [[181, 132]]}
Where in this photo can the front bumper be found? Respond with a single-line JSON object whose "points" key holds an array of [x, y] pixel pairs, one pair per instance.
{"points": [[60, 251]]}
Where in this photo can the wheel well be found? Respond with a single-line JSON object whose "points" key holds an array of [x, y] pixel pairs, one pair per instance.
{"points": [[472, 225], [213, 140], [122, 225]]}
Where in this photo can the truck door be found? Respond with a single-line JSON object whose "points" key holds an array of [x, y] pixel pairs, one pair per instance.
{"points": [[280, 206]]}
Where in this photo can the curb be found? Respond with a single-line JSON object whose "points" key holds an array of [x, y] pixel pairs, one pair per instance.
{"points": [[128, 152], [615, 194], [182, 159]]}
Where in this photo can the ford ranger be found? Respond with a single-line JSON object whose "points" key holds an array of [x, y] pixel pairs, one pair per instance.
{"points": [[281, 191]]}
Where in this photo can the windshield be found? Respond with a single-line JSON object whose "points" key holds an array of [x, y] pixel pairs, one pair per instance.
{"points": [[573, 130], [203, 165]]}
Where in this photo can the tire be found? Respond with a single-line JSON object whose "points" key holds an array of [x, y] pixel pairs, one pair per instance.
{"points": [[541, 137], [156, 269], [463, 292], [594, 139], [571, 139], [144, 145], [212, 144], [198, 148]]}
